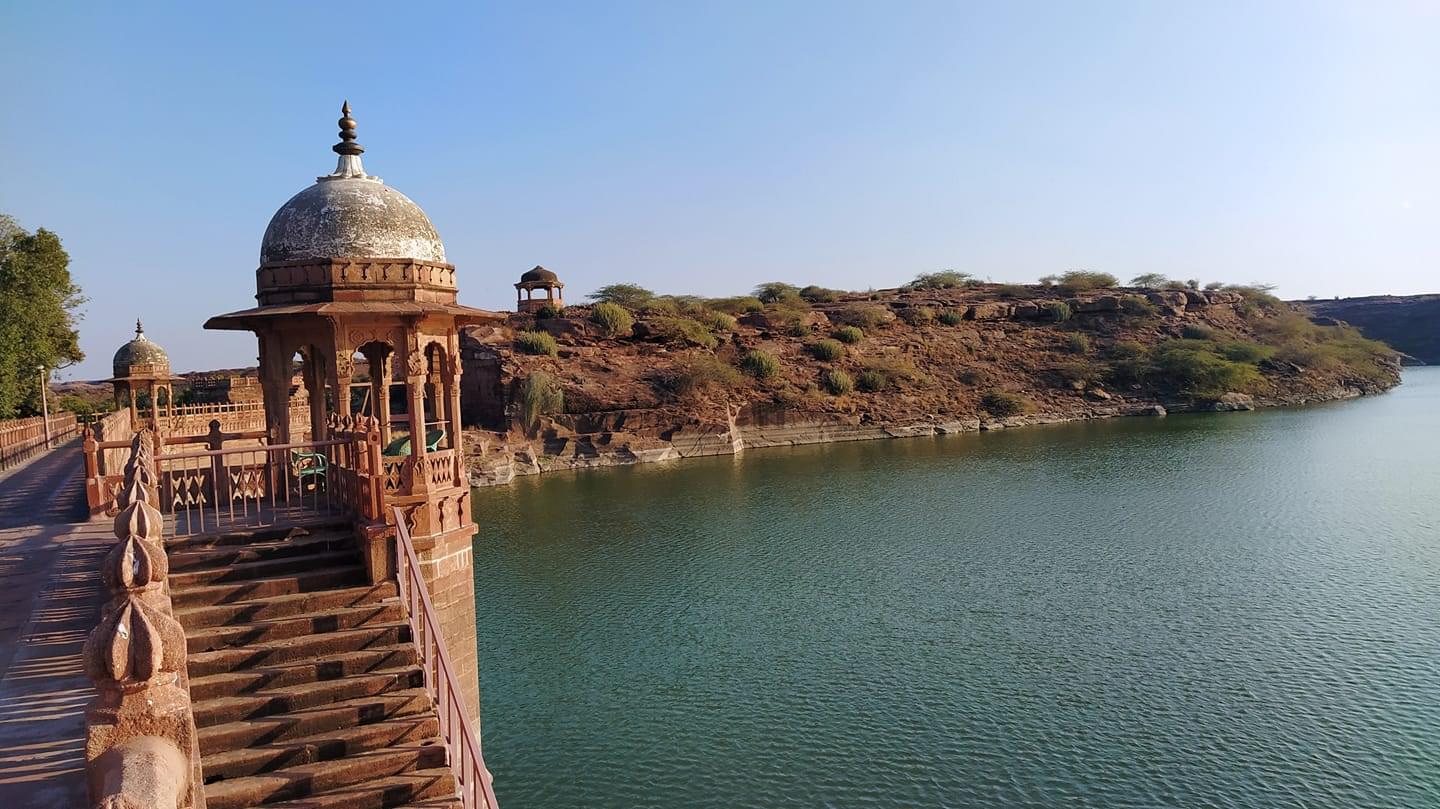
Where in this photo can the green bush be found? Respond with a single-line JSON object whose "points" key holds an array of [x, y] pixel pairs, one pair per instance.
{"points": [[704, 373], [799, 328], [897, 369], [536, 342], [1078, 371], [945, 279], [540, 394], [1056, 311], [546, 312], [1242, 351], [849, 334], [1077, 343], [630, 296], [837, 382], [739, 305], [827, 350], [1083, 280], [871, 380], [613, 318], [1137, 306], [816, 294], [1197, 331], [719, 321], [1015, 291], [760, 364], [867, 316], [659, 307], [684, 330], [1130, 363], [918, 315], [1197, 367], [951, 317], [1000, 404]]}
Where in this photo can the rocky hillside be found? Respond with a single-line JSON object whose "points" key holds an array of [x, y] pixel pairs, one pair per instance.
{"points": [[1409, 323], [668, 377]]}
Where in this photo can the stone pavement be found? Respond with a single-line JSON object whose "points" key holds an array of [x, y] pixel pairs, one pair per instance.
{"points": [[50, 598]]}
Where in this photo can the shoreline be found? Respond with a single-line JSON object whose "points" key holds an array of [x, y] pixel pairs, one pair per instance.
{"points": [[607, 450]]}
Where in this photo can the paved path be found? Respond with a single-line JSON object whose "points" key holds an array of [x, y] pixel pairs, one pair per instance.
{"points": [[50, 598]]}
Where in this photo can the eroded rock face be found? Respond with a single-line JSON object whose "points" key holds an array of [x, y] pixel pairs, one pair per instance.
{"points": [[1409, 323]]}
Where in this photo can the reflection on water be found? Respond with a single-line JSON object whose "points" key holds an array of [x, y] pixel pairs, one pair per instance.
{"points": [[1227, 610]]}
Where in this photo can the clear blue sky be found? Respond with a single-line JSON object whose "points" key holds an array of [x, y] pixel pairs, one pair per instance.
{"points": [[706, 147]]}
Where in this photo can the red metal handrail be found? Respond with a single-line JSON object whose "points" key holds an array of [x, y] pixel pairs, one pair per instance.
{"points": [[460, 737]]}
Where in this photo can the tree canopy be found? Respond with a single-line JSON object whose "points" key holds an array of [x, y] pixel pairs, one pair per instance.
{"points": [[38, 313], [630, 296]]}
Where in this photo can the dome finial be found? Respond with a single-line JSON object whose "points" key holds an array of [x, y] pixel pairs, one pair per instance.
{"points": [[139, 329], [347, 144], [349, 166]]}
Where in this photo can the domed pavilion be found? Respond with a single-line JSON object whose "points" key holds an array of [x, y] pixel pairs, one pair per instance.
{"points": [[141, 366], [350, 266], [541, 279]]}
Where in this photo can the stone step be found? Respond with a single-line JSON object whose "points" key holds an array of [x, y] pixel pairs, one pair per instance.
{"points": [[282, 606], [323, 645], [186, 560], [306, 780], [261, 569], [305, 582], [251, 535], [288, 699], [333, 667], [325, 746], [418, 788], [211, 638], [311, 721]]}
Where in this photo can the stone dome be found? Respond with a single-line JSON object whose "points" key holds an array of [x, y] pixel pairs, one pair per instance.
{"points": [[539, 275], [350, 217], [140, 354], [350, 214]]}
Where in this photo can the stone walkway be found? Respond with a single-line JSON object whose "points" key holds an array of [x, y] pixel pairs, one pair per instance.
{"points": [[50, 598]]}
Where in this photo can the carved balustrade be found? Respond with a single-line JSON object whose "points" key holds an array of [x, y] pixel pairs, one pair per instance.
{"points": [[23, 439], [141, 747]]}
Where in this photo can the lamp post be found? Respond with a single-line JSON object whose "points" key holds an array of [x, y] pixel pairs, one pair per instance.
{"points": [[45, 403]]}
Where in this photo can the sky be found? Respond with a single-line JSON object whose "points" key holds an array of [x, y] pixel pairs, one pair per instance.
{"points": [[706, 147]]}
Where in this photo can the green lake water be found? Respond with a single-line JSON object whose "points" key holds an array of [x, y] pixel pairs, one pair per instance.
{"points": [[1238, 610]]}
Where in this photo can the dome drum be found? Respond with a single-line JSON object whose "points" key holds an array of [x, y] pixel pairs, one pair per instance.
{"points": [[355, 279]]}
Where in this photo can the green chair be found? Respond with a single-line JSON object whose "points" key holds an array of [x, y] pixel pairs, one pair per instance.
{"points": [[401, 445], [309, 468]]}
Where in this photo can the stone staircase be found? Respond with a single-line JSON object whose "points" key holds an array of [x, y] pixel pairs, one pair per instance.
{"points": [[305, 682]]}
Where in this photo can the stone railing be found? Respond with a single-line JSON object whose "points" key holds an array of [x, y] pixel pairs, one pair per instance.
{"points": [[466, 760], [141, 747], [23, 439], [233, 417], [107, 448]]}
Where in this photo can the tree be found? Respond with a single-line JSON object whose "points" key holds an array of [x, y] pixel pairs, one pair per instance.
{"points": [[38, 312], [776, 292], [630, 296], [1149, 280], [944, 279]]}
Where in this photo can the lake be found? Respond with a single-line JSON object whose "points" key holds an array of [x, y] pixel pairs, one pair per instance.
{"points": [[1229, 610]]}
